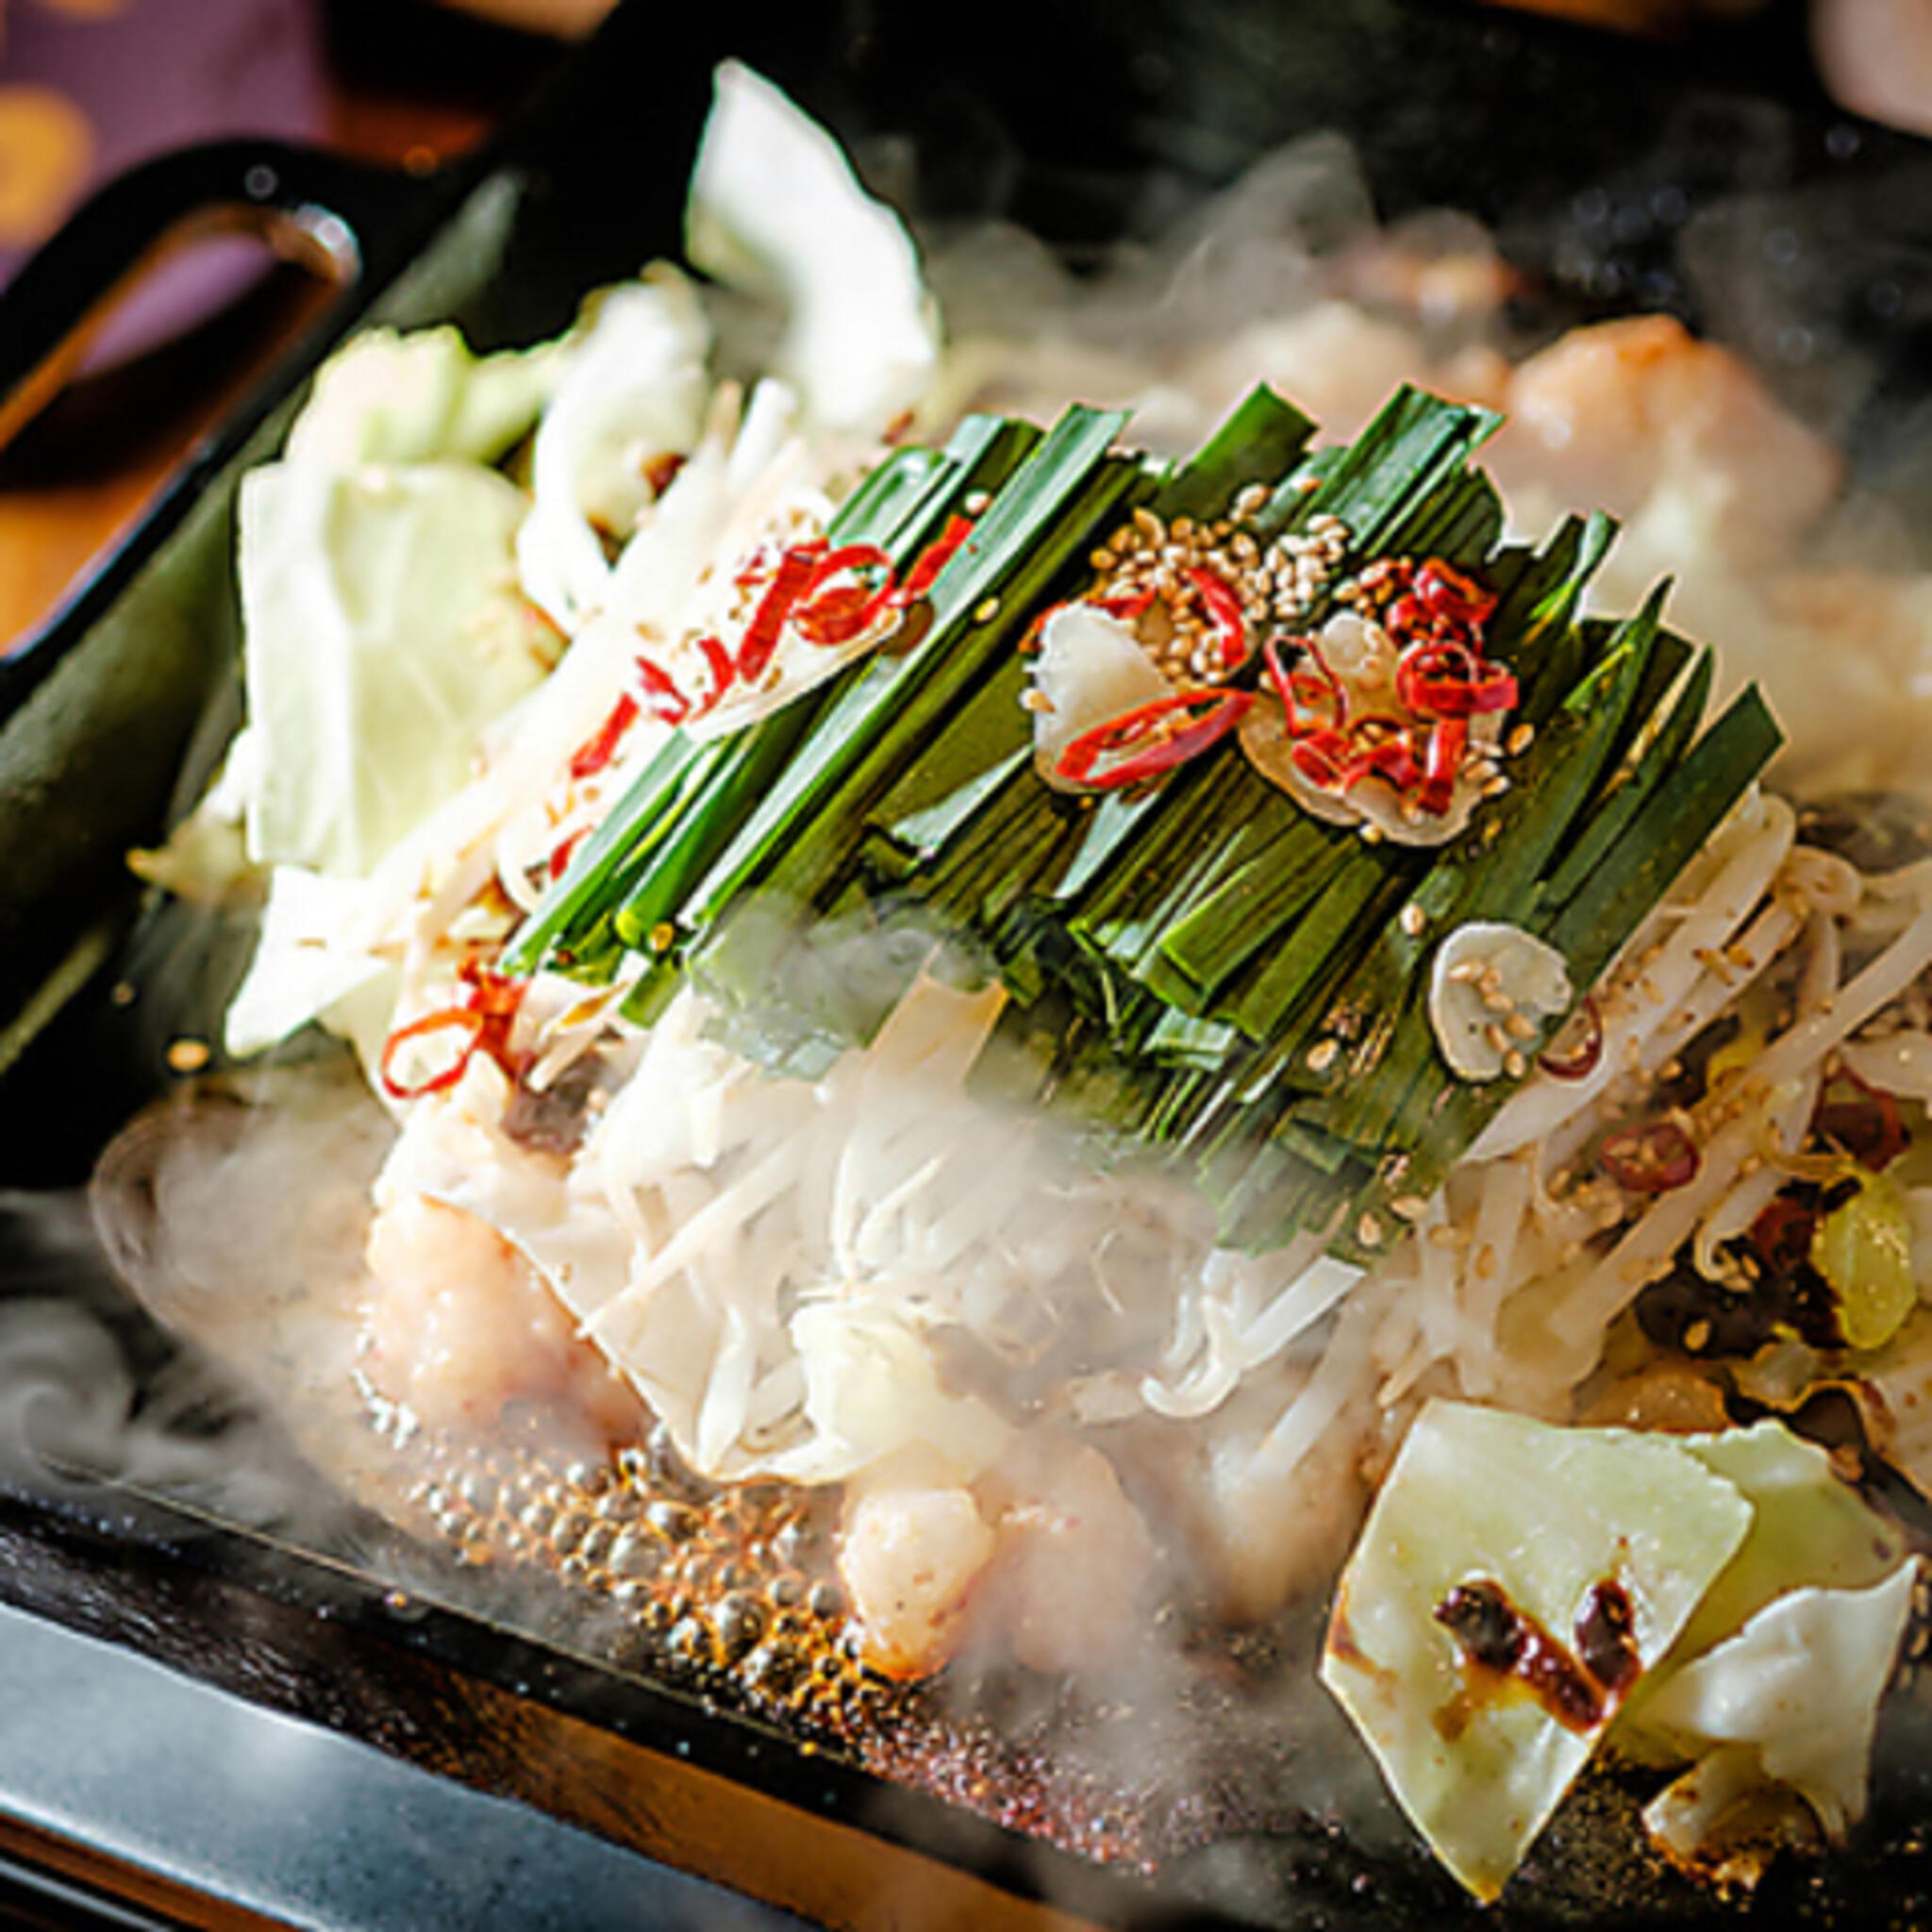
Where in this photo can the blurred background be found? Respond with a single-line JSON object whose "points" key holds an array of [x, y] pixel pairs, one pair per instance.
{"points": [[89, 87]]}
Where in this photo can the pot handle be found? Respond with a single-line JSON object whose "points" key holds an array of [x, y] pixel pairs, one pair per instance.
{"points": [[352, 223]]}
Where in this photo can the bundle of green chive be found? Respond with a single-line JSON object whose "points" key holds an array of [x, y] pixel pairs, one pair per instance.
{"points": [[1198, 971]]}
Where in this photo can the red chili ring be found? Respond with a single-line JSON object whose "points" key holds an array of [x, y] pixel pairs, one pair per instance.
{"points": [[1652, 1159], [1078, 762]]}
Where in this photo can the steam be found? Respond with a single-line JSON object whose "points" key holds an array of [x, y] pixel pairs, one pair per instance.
{"points": [[95, 1406]]}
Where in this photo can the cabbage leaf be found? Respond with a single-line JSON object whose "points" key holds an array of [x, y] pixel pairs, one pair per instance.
{"points": [[776, 212], [1796, 1689], [1768, 1602], [420, 398], [383, 632], [634, 392], [1546, 1513]]}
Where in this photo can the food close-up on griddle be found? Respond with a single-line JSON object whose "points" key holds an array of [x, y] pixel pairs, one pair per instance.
{"points": [[1115, 1000]]}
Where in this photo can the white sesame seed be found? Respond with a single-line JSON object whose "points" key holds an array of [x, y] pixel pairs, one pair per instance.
{"points": [[1413, 920], [1321, 1056]]}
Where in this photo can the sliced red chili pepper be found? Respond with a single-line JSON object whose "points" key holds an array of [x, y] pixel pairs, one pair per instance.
{"points": [[565, 850], [1406, 617], [1448, 739], [1030, 642], [1576, 1051], [596, 751], [492, 993], [723, 672], [932, 559], [761, 634], [668, 704], [1451, 681], [1128, 606], [1454, 595], [1782, 1236], [470, 1023], [839, 615], [1443, 660], [1652, 1159], [1144, 742], [1865, 1122], [1319, 756], [830, 613], [1391, 759], [1300, 691], [1224, 606]]}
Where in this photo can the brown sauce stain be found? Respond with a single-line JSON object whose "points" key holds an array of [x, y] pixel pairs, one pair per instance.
{"points": [[1506, 1651]]}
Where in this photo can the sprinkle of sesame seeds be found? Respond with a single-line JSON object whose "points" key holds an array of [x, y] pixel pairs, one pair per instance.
{"points": [[976, 502], [985, 611], [1369, 1231], [1520, 1026], [1409, 1206], [1321, 1056], [1413, 920], [188, 1055], [1496, 1037], [1514, 1064]]}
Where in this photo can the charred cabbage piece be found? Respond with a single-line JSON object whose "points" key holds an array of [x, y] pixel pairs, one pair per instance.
{"points": [[1514, 1582], [1523, 1590]]}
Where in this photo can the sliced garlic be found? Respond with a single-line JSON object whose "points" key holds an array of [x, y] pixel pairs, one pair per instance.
{"points": [[1485, 975]]}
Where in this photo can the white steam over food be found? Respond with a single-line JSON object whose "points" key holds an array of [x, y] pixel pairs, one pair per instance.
{"points": [[1033, 1361]]}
